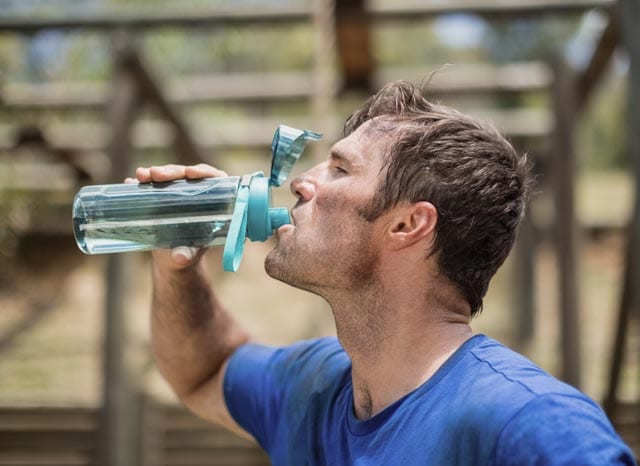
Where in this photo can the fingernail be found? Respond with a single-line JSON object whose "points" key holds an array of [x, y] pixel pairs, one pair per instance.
{"points": [[182, 254]]}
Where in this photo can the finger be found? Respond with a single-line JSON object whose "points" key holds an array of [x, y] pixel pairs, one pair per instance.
{"points": [[183, 255], [203, 170], [143, 174], [167, 172], [130, 180]]}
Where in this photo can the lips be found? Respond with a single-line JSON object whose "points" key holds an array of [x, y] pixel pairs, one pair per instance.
{"points": [[280, 232]]}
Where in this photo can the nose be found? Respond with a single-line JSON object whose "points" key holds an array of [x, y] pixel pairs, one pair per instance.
{"points": [[303, 187]]}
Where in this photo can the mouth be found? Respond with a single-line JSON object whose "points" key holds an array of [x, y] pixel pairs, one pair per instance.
{"points": [[293, 218], [283, 229], [287, 226]]}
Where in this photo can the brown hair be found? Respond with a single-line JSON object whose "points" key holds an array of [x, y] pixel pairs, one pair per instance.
{"points": [[466, 169]]}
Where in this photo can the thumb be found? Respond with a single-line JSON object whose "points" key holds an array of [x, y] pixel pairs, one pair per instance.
{"points": [[184, 255]]}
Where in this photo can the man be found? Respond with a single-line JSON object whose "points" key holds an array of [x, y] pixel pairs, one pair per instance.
{"points": [[400, 229]]}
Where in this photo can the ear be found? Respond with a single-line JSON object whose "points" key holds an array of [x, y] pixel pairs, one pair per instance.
{"points": [[411, 224]]}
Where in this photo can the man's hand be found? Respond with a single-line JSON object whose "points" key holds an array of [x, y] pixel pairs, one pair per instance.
{"points": [[183, 256], [192, 335]]}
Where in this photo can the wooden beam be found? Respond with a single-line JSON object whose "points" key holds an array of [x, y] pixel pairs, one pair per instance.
{"points": [[148, 19], [254, 133], [280, 86], [125, 104], [489, 8], [602, 54], [118, 440], [524, 298], [630, 296], [32, 140], [324, 77], [232, 87], [470, 79], [354, 45], [186, 149], [564, 171]]}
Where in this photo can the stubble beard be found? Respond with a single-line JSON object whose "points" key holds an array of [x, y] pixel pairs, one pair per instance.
{"points": [[351, 287], [334, 270], [290, 267]]}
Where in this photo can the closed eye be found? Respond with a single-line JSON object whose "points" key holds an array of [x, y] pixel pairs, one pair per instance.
{"points": [[337, 162]]}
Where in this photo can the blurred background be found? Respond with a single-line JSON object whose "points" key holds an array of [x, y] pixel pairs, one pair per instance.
{"points": [[90, 89]]}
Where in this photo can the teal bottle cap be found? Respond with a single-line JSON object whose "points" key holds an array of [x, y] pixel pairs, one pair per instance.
{"points": [[287, 145], [258, 221], [252, 215]]}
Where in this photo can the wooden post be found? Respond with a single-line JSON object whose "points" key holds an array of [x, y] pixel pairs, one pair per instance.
{"points": [[186, 149], [524, 261], [354, 44], [117, 430], [599, 60], [524, 299], [152, 421], [324, 87], [563, 167], [629, 13]]}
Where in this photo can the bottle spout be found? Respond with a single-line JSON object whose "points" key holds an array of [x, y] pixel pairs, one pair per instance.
{"points": [[279, 216]]}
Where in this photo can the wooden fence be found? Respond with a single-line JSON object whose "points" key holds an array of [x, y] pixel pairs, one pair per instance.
{"points": [[168, 436], [119, 137]]}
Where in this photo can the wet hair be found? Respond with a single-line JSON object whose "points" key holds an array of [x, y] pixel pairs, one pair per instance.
{"points": [[466, 169]]}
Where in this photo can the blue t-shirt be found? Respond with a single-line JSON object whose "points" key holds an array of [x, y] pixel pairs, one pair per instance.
{"points": [[487, 405]]}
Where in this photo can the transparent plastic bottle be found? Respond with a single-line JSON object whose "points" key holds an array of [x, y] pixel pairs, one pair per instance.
{"points": [[145, 216], [200, 213]]}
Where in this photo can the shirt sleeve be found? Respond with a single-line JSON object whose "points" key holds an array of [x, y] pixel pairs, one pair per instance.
{"points": [[260, 381], [560, 430]]}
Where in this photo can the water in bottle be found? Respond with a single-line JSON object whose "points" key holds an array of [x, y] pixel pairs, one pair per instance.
{"points": [[145, 216]]}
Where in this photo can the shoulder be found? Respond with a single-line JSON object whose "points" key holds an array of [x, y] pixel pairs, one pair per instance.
{"points": [[265, 387], [560, 429], [301, 360], [508, 383], [524, 413], [512, 373]]}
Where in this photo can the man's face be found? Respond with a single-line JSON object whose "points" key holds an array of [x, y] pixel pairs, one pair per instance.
{"points": [[330, 245]]}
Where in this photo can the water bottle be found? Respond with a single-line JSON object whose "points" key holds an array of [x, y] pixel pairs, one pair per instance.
{"points": [[199, 213]]}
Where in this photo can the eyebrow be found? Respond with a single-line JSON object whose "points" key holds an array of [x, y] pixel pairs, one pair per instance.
{"points": [[342, 157]]}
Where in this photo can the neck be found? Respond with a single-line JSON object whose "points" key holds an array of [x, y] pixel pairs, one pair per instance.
{"points": [[397, 341]]}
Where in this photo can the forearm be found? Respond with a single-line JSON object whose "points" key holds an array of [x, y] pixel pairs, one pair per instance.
{"points": [[192, 335]]}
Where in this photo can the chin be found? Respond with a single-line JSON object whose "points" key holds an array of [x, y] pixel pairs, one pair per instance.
{"points": [[275, 264], [283, 267]]}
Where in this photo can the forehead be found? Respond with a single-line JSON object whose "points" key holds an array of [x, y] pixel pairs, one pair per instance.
{"points": [[369, 144]]}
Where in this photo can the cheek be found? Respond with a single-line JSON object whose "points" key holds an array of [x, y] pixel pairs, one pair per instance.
{"points": [[334, 218], [341, 202], [341, 226]]}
